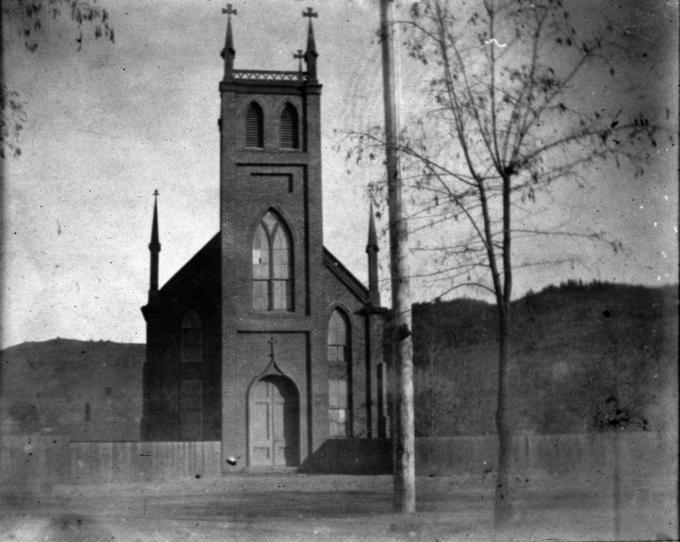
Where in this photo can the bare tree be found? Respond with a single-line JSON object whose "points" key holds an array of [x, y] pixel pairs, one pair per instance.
{"points": [[503, 119]]}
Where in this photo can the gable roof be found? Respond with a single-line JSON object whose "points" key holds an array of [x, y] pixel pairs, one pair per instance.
{"points": [[198, 267], [208, 257], [345, 276]]}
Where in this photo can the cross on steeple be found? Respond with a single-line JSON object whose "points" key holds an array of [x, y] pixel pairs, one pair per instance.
{"points": [[229, 10], [156, 193], [299, 55], [310, 13], [271, 347]]}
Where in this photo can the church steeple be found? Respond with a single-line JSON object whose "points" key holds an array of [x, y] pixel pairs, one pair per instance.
{"points": [[154, 249], [311, 54], [372, 251], [228, 53]]}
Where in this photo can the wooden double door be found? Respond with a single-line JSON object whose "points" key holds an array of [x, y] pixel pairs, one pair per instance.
{"points": [[273, 423]]}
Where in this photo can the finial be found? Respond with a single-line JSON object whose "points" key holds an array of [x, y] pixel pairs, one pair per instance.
{"points": [[310, 13], [156, 194], [229, 11]]}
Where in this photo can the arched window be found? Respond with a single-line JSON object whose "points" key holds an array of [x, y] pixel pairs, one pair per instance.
{"points": [[272, 266], [254, 126], [191, 338], [288, 128], [338, 375]]}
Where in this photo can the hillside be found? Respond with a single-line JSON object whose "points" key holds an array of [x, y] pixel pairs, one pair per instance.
{"points": [[88, 390], [575, 348], [585, 357]]}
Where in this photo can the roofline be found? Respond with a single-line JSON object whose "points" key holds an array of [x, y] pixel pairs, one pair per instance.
{"points": [[191, 262], [345, 276]]}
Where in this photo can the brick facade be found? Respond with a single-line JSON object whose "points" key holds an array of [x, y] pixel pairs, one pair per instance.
{"points": [[263, 374]]}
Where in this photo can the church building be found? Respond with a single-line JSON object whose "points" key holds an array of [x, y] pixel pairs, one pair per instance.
{"points": [[263, 340]]}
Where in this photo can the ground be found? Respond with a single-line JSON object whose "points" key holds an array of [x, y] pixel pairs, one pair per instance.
{"points": [[293, 507]]}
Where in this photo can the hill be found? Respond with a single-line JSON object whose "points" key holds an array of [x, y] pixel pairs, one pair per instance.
{"points": [[580, 354], [584, 357], [86, 389]]}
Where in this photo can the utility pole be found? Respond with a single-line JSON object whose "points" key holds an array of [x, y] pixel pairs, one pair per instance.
{"points": [[403, 436]]}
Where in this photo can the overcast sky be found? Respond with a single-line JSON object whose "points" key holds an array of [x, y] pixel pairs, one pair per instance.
{"points": [[110, 123]]}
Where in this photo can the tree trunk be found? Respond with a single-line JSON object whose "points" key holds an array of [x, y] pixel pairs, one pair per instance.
{"points": [[503, 502]]}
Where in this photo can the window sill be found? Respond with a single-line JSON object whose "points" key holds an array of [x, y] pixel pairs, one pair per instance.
{"points": [[256, 312]]}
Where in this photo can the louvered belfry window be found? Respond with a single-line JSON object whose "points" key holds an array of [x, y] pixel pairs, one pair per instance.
{"points": [[254, 126], [288, 128]]}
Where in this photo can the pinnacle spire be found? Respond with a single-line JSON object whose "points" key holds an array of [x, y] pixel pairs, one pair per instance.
{"points": [[372, 236], [372, 249], [154, 248], [311, 54], [154, 224], [228, 53]]}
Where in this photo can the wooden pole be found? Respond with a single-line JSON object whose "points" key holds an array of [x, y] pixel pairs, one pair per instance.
{"points": [[403, 436]]}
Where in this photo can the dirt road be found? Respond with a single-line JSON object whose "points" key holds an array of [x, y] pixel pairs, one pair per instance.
{"points": [[297, 507]]}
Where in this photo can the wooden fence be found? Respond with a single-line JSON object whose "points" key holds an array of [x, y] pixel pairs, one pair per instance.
{"points": [[53, 460], [47, 459]]}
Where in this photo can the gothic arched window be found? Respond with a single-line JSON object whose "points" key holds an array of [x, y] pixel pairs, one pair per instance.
{"points": [[288, 128], [272, 266], [338, 375], [191, 338], [254, 126]]}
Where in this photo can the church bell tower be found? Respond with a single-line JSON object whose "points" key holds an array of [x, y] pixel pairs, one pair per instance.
{"points": [[271, 232]]}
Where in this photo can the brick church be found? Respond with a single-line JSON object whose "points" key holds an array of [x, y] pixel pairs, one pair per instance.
{"points": [[263, 340]]}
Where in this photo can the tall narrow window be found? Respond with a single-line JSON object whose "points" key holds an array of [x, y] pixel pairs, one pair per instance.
{"points": [[191, 338], [338, 375], [288, 128], [254, 126], [272, 266]]}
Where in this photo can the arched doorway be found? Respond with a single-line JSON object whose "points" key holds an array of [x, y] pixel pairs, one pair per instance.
{"points": [[273, 423]]}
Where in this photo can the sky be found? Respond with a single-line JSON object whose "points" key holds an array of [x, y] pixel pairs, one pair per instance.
{"points": [[108, 124]]}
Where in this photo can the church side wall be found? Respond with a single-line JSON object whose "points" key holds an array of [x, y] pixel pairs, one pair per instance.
{"points": [[335, 294], [197, 290]]}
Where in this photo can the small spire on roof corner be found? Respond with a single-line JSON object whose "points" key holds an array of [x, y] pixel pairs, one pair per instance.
{"points": [[372, 249], [154, 249], [372, 235], [311, 44], [311, 54], [155, 244], [228, 53]]}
